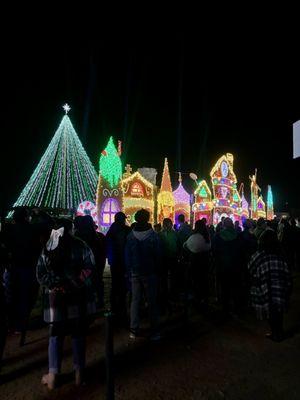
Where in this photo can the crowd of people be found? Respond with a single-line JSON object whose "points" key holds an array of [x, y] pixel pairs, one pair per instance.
{"points": [[152, 269]]}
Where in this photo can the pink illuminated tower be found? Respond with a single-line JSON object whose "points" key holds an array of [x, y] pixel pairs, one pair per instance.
{"points": [[182, 201]]}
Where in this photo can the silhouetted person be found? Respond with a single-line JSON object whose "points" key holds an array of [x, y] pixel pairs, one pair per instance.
{"points": [[237, 227], [198, 246], [295, 232], [227, 251], [169, 270], [212, 232], [116, 240], [85, 229], [184, 231], [270, 283], [286, 236], [65, 271], [23, 246], [143, 264], [219, 227], [249, 247], [157, 228], [261, 226]]}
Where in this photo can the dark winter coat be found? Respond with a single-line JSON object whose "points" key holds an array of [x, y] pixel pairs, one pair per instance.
{"points": [[228, 250], [184, 232], [249, 245], [169, 244], [68, 283], [116, 240], [143, 253]]}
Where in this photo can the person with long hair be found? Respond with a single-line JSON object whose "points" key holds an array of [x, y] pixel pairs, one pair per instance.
{"points": [[271, 283], [65, 270]]}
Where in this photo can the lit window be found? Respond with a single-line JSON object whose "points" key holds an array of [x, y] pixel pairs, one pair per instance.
{"points": [[110, 207], [137, 190]]}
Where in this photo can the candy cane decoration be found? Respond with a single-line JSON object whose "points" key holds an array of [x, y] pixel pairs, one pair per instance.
{"points": [[87, 208]]}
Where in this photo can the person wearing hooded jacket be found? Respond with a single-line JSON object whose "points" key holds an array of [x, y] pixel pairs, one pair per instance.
{"points": [[142, 262], [228, 257]]}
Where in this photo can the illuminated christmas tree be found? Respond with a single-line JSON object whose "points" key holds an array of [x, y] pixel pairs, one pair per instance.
{"points": [[64, 177], [165, 199], [110, 166], [109, 191], [270, 206]]}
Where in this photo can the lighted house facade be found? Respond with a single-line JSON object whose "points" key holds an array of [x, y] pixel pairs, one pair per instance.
{"points": [[203, 206], [137, 193], [224, 189], [236, 204], [261, 208]]}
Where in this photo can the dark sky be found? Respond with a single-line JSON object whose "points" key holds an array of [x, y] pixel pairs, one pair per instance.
{"points": [[236, 94]]}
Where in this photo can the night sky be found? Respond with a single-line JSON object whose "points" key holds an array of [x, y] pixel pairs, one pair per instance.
{"points": [[164, 94]]}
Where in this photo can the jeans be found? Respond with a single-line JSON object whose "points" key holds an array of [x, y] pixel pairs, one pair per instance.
{"points": [[55, 353], [147, 285], [77, 329]]}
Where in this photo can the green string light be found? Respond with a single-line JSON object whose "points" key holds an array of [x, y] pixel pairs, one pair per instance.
{"points": [[64, 176], [110, 165]]}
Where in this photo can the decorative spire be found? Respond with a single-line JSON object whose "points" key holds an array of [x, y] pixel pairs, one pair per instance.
{"points": [[67, 108], [128, 171], [166, 185], [179, 177], [270, 205]]}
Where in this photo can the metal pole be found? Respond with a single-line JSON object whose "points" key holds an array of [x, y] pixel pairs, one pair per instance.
{"points": [[109, 356]]}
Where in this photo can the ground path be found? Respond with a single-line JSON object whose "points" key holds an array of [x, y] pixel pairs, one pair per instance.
{"points": [[207, 359]]}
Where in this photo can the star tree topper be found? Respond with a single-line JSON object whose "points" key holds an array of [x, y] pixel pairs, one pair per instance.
{"points": [[67, 108]]}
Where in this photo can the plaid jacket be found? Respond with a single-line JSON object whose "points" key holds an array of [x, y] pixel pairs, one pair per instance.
{"points": [[70, 294], [271, 283]]}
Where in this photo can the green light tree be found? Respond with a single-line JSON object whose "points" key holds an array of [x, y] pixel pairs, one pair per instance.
{"points": [[65, 176], [109, 190], [110, 165]]}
